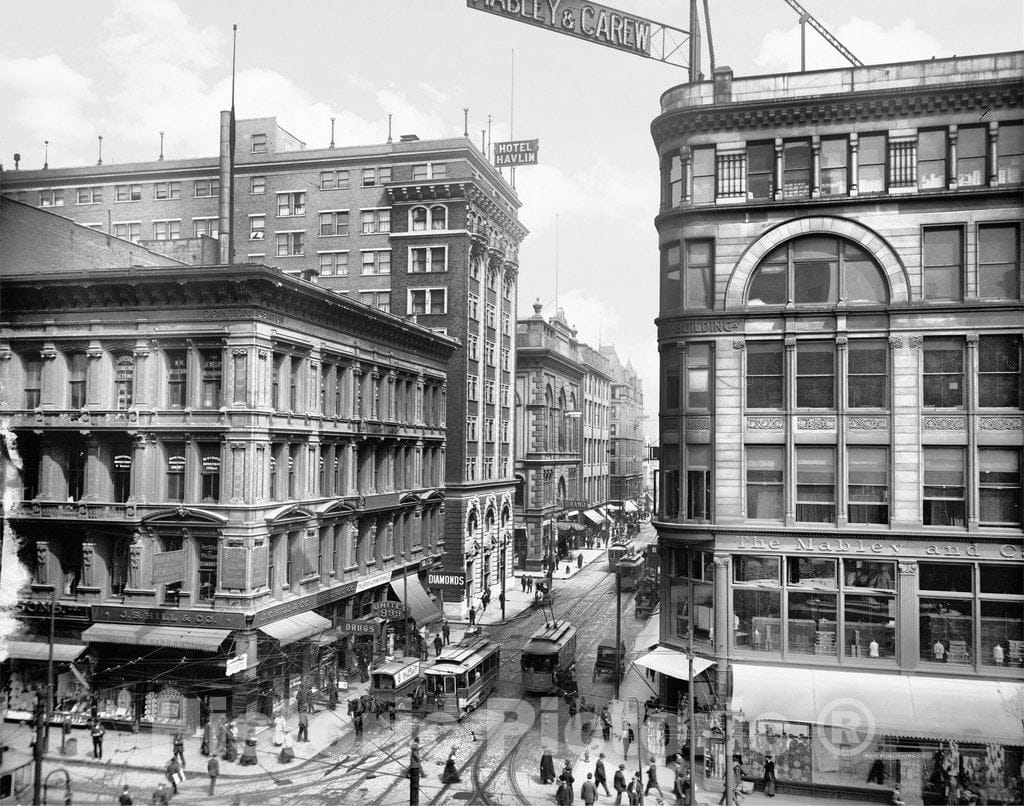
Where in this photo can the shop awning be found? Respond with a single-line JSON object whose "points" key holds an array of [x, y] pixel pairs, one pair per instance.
{"points": [[295, 628], [421, 608], [174, 637], [594, 517], [629, 506], [35, 650], [886, 704], [673, 662], [574, 513], [648, 637]]}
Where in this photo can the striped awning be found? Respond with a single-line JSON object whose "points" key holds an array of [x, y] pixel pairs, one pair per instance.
{"points": [[594, 517], [36, 650], [172, 637], [295, 628]]}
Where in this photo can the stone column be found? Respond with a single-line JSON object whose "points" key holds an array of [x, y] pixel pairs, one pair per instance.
{"points": [[52, 379], [815, 167], [90, 573], [686, 171], [970, 466], [144, 387], [908, 649], [951, 155], [723, 621], [681, 477], [418, 419], [854, 150], [350, 458], [778, 168], [842, 360], [993, 150]]}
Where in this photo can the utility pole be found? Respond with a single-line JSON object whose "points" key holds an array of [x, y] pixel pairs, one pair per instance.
{"points": [[620, 662], [405, 597], [691, 730], [49, 670], [37, 751]]}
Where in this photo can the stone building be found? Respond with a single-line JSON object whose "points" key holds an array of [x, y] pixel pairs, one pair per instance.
{"points": [[626, 434], [841, 420], [218, 463], [426, 229]]}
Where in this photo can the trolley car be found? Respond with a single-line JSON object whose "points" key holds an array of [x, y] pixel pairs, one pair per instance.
{"points": [[396, 682], [548, 656], [631, 571], [463, 676], [616, 551]]}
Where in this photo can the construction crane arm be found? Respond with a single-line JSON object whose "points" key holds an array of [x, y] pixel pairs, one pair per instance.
{"points": [[821, 29]]}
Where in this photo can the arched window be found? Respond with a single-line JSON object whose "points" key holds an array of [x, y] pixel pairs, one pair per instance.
{"points": [[520, 491], [418, 219], [817, 270], [561, 491], [438, 217]]}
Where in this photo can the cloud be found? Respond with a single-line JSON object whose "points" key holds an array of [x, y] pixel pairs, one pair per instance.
{"points": [[866, 39], [434, 94]]}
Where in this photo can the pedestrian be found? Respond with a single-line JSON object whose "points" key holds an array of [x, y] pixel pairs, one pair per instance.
{"points": [[97, 732], [222, 734], [628, 737], [65, 733], [619, 783], [652, 779], [579, 560], [287, 748], [171, 772], [204, 745], [681, 785], [633, 791], [737, 784], [160, 796], [547, 767], [769, 774], [249, 753], [472, 615], [178, 747], [213, 770], [588, 792], [357, 723], [125, 798], [568, 779], [231, 741], [303, 726], [600, 776], [501, 600], [279, 726], [562, 797], [522, 583], [332, 694], [446, 632], [451, 773], [438, 643], [606, 724], [485, 600]]}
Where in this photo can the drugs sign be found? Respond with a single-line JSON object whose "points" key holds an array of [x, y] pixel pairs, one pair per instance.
{"points": [[514, 153]]}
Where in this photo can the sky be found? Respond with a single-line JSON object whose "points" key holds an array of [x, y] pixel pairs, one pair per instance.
{"points": [[129, 69]]}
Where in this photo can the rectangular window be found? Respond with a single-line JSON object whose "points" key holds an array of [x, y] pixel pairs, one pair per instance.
{"points": [[764, 482], [758, 616], [812, 622], [946, 634], [815, 375], [428, 301], [943, 263], [490, 353], [381, 300], [698, 376], [867, 374], [1010, 146], [177, 377], [376, 261], [257, 185], [78, 367], [698, 482], [491, 312], [375, 221], [999, 261], [121, 470], [999, 486], [209, 454], [699, 275], [239, 373], [703, 167], [470, 468], [971, 150], [211, 379], [129, 231], [166, 230], [999, 371], [474, 307], [206, 187], [471, 428], [33, 382], [163, 191], [796, 169], [471, 387], [944, 482], [731, 176], [92, 195], [868, 484], [333, 222], [815, 485], [51, 198], [871, 164], [944, 373], [291, 204], [258, 143], [77, 456], [675, 182], [333, 264], [124, 193], [175, 453], [814, 572], [761, 170], [257, 227], [205, 226], [764, 374], [334, 180], [931, 159], [752, 568], [290, 244], [833, 170], [671, 283], [207, 569], [428, 259], [124, 380], [902, 163]]}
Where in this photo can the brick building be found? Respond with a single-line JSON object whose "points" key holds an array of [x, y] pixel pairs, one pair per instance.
{"points": [[841, 420], [626, 435], [596, 421], [421, 228], [217, 462]]}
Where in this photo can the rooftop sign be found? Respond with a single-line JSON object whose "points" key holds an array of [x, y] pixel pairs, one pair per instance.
{"points": [[590, 21], [513, 153]]}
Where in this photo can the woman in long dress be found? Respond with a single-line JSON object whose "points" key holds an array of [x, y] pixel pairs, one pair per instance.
{"points": [[450, 774], [249, 753], [287, 748], [231, 741], [278, 730], [547, 768]]}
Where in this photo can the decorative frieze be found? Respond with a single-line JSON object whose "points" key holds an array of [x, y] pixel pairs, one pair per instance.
{"points": [[868, 423], [815, 423], [932, 423], [1001, 423], [698, 423], [670, 423], [896, 342], [764, 424]]}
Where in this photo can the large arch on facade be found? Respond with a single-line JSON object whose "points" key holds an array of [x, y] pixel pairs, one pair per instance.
{"points": [[875, 245]]}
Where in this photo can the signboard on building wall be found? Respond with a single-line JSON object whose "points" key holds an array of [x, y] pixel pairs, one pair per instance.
{"points": [[154, 616], [169, 567], [233, 567], [356, 626], [260, 565], [388, 610], [513, 153], [446, 580], [237, 664]]}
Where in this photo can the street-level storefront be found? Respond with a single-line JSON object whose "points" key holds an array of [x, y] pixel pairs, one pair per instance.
{"points": [[878, 635]]}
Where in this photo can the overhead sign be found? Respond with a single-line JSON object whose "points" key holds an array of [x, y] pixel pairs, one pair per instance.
{"points": [[168, 567], [237, 664], [513, 153], [590, 21], [353, 625], [388, 610], [171, 617], [446, 580]]}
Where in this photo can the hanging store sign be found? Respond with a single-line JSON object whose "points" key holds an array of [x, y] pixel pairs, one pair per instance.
{"points": [[236, 664], [446, 580], [514, 153], [355, 626], [169, 567], [122, 461], [589, 21], [388, 610]]}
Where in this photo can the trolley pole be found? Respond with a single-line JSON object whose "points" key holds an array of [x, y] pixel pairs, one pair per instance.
{"points": [[37, 751], [620, 663], [691, 725]]}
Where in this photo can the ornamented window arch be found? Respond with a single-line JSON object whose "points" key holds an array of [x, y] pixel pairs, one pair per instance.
{"points": [[428, 217]]}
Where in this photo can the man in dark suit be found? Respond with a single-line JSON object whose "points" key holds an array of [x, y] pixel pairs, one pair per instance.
{"points": [[619, 784]]}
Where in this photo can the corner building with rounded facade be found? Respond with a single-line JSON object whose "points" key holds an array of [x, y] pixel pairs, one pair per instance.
{"points": [[841, 422]]}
